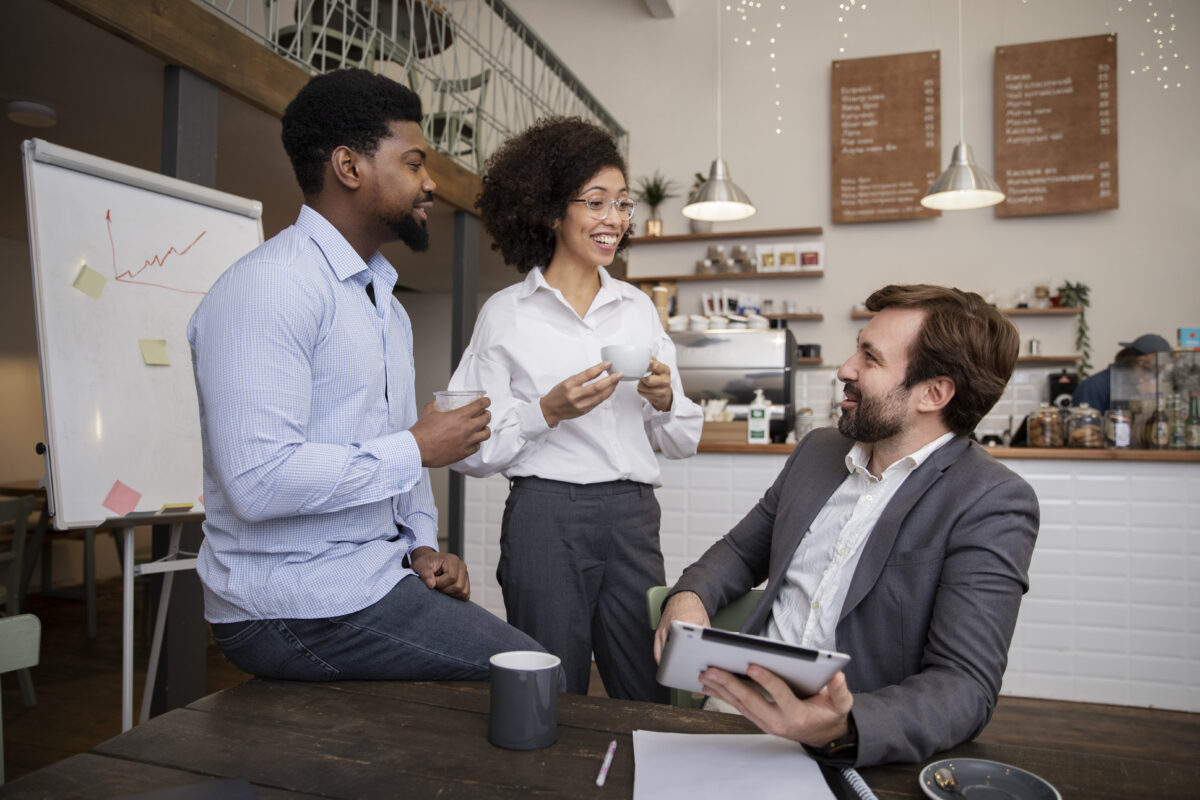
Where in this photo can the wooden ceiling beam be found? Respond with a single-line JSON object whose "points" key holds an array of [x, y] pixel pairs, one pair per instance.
{"points": [[189, 35]]}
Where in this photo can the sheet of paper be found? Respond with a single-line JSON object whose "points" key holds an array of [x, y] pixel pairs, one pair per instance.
{"points": [[687, 766]]}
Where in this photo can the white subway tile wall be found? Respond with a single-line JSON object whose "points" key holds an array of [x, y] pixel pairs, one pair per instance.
{"points": [[1113, 612]]}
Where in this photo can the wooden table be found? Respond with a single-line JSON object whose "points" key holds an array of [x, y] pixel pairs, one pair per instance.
{"points": [[395, 739]]}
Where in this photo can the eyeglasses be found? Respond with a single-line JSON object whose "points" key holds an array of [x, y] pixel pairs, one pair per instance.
{"points": [[599, 209]]}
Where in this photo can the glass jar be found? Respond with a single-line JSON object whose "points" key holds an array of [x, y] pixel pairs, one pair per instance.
{"points": [[1045, 427], [1118, 429], [1085, 428]]}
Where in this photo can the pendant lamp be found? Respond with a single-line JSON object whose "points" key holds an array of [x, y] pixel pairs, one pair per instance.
{"points": [[963, 185], [719, 198]]}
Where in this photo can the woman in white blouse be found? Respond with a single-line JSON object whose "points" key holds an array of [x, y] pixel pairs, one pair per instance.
{"points": [[579, 540]]}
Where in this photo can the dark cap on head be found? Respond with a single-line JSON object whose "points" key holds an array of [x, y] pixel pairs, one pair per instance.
{"points": [[1148, 343]]}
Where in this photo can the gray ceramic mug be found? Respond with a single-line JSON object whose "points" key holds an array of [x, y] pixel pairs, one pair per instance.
{"points": [[524, 700]]}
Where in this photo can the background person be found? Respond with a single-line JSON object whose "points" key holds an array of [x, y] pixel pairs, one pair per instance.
{"points": [[320, 558], [894, 539], [579, 539], [1096, 390]]}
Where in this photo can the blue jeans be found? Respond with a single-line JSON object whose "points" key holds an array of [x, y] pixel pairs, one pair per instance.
{"points": [[412, 633]]}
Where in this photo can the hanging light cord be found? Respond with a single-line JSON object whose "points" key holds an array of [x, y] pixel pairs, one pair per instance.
{"points": [[962, 128], [719, 48]]}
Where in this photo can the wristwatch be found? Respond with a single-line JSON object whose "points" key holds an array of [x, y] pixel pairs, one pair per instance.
{"points": [[845, 746]]}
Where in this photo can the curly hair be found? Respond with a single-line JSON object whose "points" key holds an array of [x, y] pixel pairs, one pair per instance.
{"points": [[528, 182], [351, 107], [962, 338]]}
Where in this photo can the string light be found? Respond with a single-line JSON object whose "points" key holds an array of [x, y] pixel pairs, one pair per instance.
{"points": [[844, 9], [1162, 34], [752, 15]]}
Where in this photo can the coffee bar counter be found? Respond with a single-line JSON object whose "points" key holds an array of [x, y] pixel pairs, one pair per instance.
{"points": [[1036, 453], [1112, 614]]}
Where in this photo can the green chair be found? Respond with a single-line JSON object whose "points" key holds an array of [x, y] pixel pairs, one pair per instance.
{"points": [[729, 618], [20, 639]]}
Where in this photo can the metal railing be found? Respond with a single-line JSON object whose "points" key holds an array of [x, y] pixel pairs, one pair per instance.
{"points": [[482, 73]]}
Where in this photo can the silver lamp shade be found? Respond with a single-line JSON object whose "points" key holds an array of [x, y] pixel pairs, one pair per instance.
{"points": [[963, 185], [719, 198]]}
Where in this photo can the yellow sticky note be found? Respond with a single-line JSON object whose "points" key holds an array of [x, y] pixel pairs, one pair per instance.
{"points": [[154, 352], [175, 507], [90, 282]]}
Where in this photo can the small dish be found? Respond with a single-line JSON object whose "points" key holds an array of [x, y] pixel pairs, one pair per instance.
{"points": [[979, 779]]}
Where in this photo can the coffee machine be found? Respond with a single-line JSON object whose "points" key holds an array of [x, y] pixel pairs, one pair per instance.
{"points": [[729, 364], [1062, 386]]}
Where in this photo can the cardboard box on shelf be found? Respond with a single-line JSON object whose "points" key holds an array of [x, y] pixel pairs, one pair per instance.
{"points": [[724, 432]]}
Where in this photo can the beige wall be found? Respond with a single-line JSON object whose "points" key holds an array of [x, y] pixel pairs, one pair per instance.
{"points": [[20, 382], [657, 78]]}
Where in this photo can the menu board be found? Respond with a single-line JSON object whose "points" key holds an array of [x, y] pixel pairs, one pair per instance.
{"points": [[886, 136], [1056, 126]]}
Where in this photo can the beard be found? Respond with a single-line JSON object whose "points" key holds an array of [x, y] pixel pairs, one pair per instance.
{"points": [[411, 231], [874, 418]]}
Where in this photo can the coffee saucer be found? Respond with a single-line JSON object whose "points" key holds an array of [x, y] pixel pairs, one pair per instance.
{"points": [[979, 779]]}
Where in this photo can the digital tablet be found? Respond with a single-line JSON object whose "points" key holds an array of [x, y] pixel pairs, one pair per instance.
{"points": [[691, 649]]}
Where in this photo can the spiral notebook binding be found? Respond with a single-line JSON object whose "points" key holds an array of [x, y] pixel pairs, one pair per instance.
{"points": [[857, 783]]}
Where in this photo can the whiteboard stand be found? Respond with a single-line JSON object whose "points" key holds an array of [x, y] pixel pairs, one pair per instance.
{"points": [[168, 564]]}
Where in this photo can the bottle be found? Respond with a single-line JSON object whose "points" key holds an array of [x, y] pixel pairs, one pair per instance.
{"points": [[1178, 438], [758, 419], [1158, 427], [1192, 425]]}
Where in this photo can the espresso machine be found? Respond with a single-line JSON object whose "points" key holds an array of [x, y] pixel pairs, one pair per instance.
{"points": [[729, 364]]}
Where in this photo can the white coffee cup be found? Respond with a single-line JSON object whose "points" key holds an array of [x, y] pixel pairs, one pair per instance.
{"points": [[449, 400], [631, 359]]}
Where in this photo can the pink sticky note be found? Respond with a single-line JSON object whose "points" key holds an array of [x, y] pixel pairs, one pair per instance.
{"points": [[121, 499]]}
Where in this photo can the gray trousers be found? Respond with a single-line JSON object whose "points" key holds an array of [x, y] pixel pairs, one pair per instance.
{"points": [[575, 563]]}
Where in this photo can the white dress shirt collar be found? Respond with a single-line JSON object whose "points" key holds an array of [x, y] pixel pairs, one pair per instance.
{"points": [[859, 456]]}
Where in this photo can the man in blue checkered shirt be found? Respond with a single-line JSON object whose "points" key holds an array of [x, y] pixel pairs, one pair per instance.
{"points": [[320, 557]]}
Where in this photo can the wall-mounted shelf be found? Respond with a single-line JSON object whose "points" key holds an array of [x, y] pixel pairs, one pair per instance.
{"points": [[702, 237], [809, 362], [1048, 359], [1040, 312], [797, 317], [1008, 312], [725, 276]]}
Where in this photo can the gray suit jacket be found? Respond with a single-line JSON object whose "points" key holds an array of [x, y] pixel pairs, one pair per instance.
{"points": [[932, 604]]}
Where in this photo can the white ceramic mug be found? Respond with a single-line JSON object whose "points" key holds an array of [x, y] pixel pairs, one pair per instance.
{"points": [[633, 360], [449, 400]]}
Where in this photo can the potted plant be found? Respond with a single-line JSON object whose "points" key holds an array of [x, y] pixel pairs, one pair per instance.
{"points": [[1075, 295], [698, 225], [654, 191]]}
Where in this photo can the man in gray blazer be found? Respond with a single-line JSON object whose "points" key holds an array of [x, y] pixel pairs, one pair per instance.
{"points": [[894, 539]]}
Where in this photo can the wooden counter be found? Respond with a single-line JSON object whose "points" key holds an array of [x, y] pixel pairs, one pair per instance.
{"points": [[1038, 453]]}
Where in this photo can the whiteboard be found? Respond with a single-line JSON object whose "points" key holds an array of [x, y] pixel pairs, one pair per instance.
{"points": [[121, 257]]}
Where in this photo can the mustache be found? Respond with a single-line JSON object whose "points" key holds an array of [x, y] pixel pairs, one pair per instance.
{"points": [[851, 391], [428, 198]]}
